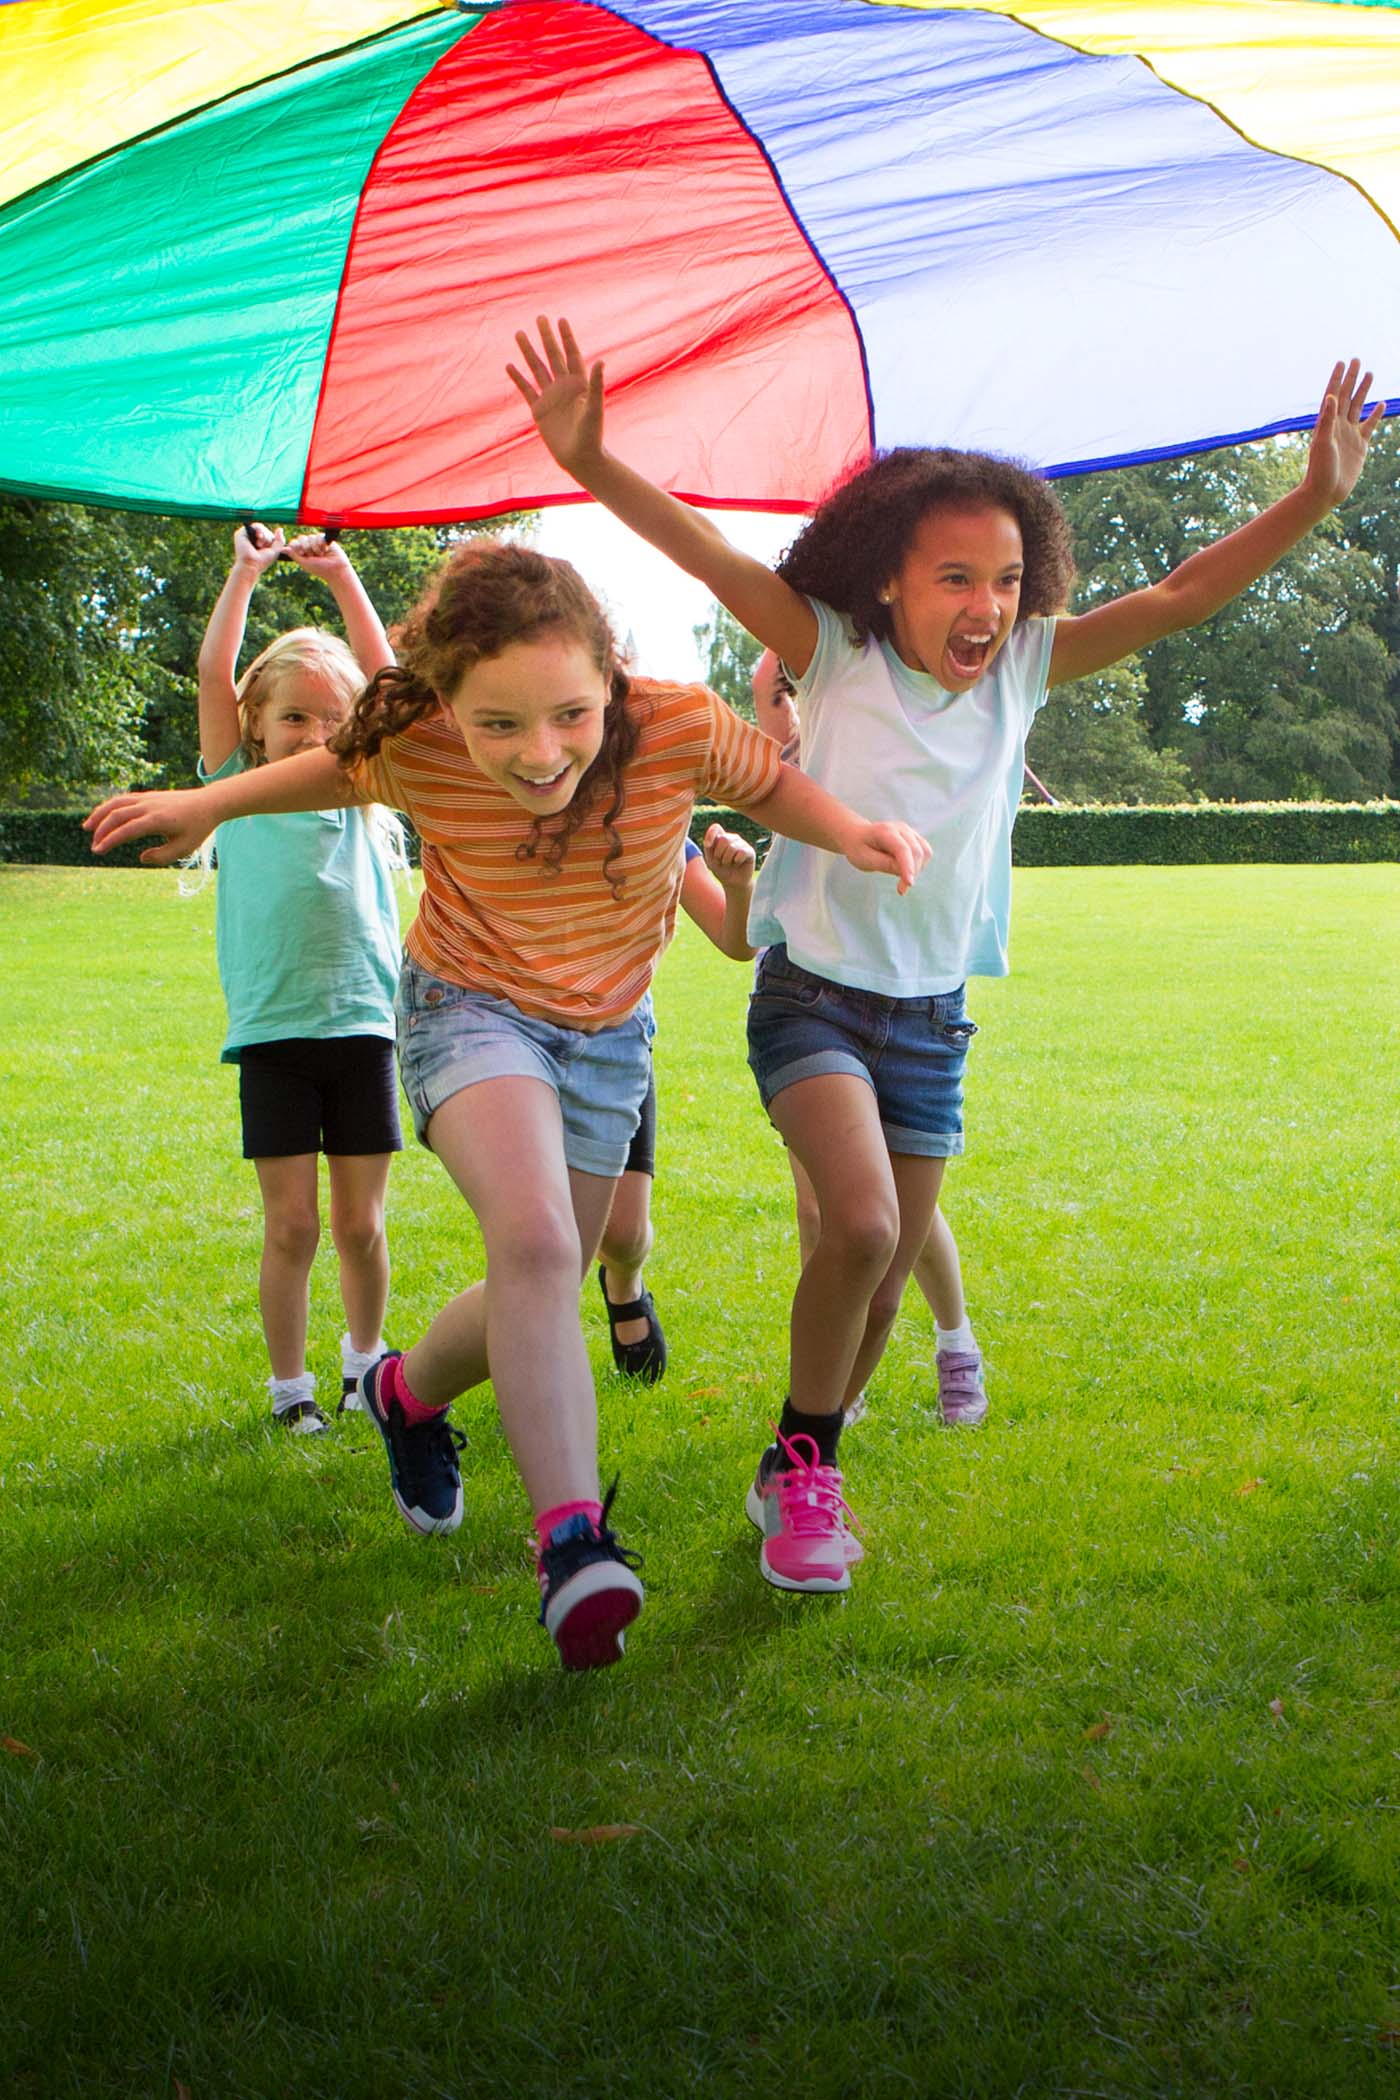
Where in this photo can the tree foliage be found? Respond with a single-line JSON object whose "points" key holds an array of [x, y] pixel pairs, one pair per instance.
{"points": [[101, 617], [728, 653]]}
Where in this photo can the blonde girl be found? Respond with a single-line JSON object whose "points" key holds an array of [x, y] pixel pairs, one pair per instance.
{"points": [[308, 949]]}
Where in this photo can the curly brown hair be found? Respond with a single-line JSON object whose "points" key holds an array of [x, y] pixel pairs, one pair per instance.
{"points": [[487, 595], [856, 540]]}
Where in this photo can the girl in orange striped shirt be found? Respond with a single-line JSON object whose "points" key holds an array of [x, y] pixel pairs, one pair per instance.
{"points": [[552, 793]]}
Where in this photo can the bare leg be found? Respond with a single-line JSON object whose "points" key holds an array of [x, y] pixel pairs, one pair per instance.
{"points": [[938, 1273], [832, 1124], [291, 1229], [625, 1245], [358, 1183], [917, 1181], [502, 1143]]}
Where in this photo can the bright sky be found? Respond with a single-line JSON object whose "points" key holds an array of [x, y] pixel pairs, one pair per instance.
{"points": [[646, 596]]}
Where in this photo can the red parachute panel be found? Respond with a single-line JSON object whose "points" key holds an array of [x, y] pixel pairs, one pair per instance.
{"points": [[558, 148]]}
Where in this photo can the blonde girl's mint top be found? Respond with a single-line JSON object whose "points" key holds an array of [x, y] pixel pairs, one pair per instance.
{"points": [[306, 925], [892, 743]]}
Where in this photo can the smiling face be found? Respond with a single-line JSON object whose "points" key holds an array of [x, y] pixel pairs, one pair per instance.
{"points": [[301, 709], [532, 719], [953, 600]]}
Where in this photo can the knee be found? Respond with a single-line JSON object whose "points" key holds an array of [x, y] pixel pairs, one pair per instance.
{"points": [[863, 1236], [359, 1232], [291, 1232], [627, 1240], [542, 1244], [884, 1305]]}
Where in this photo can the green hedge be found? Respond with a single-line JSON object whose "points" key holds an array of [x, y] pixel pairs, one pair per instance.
{"points": [[1044, 838], [1193, 832]]}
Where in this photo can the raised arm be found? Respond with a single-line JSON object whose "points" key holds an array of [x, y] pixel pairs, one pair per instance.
{"points": [[1209, 579], [184, 817], [255, 548], [363, 627], [716, 891], [566, 400]]}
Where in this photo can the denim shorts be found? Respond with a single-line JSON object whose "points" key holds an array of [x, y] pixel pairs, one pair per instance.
{"points": [[451, 1038], [910, 1052]]}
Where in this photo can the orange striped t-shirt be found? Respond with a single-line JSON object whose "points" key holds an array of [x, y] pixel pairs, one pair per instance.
{"points": [[560, 946]]}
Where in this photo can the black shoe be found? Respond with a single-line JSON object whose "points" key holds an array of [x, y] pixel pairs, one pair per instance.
{"points": [[589, 1595], [423, 1469], [301, 1417], [349, 1402], [644, 1359]]}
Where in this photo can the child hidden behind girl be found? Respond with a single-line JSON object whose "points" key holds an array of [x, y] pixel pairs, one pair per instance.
{"points": [[553, 795], [921, 614], [307, 935]]}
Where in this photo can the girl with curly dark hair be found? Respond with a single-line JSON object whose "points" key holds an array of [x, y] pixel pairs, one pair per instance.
{"points": [[552, 794], [921, 613]]}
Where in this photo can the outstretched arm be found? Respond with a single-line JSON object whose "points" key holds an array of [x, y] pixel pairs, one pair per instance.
{"points": [[1209, 579], [184, 817], [566, 400], [255, 548], [799, 809], [363, 626]]}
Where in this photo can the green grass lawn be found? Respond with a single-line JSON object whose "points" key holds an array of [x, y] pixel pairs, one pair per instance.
{"points": [[1089, 1788]]}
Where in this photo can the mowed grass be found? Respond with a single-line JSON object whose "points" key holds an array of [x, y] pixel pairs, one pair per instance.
{"points": [[1090, 1787]]}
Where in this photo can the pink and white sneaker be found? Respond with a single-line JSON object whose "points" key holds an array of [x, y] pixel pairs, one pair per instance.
{"points": [[962, 1390], [796, 1502]]}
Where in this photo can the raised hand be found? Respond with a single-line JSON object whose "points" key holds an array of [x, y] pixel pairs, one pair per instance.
{"points": [[1341, 437], [181, 816], [319, 556], [890, 849], [729, 858], [256, 547], [565, 399]]}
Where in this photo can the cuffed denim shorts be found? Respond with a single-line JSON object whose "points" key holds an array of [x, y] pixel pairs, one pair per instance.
{"points": [[451, 1038], [910, 1052]]}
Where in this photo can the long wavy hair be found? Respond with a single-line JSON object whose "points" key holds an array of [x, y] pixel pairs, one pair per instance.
{"points": [[855, 542], [488, 595]]}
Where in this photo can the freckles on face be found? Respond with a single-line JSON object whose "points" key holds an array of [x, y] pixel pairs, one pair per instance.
{"points": [[532, 719], [954, 600]]}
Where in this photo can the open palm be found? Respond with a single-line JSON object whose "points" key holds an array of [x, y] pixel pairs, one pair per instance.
{"points": [[565, 397], [1341, 436]]}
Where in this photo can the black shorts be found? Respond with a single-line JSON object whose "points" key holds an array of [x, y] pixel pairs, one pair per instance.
{"points": [[319, 1094], [641, 1158]]}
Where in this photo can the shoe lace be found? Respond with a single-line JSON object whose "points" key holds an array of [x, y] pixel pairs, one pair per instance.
{"points": [[809, 1494]]}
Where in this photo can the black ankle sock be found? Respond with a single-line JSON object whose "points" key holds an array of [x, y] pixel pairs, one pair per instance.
{"points": [[824, 1430]]}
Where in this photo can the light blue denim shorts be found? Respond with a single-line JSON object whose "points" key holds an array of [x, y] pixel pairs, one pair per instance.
{"points": [[451, 1038]]}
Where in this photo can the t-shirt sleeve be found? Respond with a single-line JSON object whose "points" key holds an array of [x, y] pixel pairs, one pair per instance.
{"points": [[835, 647], [378, 779], [236, 762], [692, 851], [743, 764], [1035, 643]]}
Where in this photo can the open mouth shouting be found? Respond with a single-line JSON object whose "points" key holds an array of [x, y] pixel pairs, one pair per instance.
{"points": [[967, 653]]}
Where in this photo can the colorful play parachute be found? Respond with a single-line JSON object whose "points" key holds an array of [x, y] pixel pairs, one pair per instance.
{"points": [[271, 257]]}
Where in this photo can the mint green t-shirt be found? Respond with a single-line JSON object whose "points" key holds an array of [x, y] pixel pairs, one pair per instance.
{"points": [[306, 926]]}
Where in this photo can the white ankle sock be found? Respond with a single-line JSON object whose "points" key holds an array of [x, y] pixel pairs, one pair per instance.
{"points": [[288, 1392], [960, 1338], [353, 1361]]}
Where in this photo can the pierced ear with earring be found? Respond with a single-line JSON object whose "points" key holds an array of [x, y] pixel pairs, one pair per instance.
{"points": [[886, 596]]}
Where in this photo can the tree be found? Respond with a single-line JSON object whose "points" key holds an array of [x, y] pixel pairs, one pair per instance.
{"points": [[1090, 743], [71, 686], [729, 653]]}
